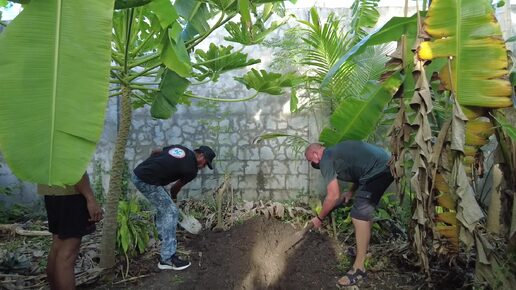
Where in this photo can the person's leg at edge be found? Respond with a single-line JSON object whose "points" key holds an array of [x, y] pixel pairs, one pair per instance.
{"points": [[362, 214], [61, 259], [50, 265], [362, 237]]}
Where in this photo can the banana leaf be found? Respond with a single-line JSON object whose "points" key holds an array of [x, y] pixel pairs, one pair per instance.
{"points": [[467, 31], [126, 4], [174, 54], [54, 68], [171, 92], [165, 11], [355, 119]]}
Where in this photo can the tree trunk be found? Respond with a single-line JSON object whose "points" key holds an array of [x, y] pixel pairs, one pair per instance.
{"points": [[107, 246]]}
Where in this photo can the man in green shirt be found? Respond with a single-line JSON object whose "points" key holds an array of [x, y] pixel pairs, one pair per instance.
{"points": [[366, 166]]}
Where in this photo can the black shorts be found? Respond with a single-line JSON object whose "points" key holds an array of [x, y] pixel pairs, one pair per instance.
{"points": [[368, 195], [68, 216]]}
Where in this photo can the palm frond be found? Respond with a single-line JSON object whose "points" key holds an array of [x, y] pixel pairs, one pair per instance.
{"points": [[364, 15]]}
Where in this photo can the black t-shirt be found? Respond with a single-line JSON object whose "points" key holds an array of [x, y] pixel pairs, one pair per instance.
{"points": [[174, 163], [353, 161]]}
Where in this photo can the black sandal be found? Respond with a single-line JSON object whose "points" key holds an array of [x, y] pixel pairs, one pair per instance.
{"points": [[353, 278]]}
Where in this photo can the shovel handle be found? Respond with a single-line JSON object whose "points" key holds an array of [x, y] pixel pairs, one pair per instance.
{"points": [[300, 236]]}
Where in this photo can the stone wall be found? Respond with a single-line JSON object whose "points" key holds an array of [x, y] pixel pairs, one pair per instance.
{"points": [[267, 170]]}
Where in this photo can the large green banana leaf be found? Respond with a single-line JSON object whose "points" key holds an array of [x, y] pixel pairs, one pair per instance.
{"points": [[468, 32], [54, 68], [355, 119]]}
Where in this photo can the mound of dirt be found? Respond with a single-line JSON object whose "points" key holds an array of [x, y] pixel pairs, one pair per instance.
{"points": [[253, 255]]}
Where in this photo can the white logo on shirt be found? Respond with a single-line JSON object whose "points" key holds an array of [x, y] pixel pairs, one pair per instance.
{"points": [[177, 152]]}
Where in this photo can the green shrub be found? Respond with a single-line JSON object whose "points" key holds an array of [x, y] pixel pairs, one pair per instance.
{"points": [[135, 227]]}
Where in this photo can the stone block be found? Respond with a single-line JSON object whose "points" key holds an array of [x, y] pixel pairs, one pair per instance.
{"points": [[296, 182], [251, 167], [266, 153], [276, 181]]}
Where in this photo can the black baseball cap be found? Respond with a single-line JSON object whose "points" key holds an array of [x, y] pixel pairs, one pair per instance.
{"points": [[208, 155]]}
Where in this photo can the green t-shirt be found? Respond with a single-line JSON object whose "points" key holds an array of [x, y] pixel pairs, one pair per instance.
{"points": [[353, 161]]}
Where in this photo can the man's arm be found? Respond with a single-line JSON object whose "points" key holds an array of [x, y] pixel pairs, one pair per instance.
{"points": [[84, 188], [330, 201], [332, 198], [175, 188]]}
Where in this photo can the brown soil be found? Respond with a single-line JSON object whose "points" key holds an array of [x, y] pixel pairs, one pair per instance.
{"points": [[252, 255]]}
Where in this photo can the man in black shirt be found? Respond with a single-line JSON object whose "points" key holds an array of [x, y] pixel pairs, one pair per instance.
{"points": [[366, 166], [176, 164]]}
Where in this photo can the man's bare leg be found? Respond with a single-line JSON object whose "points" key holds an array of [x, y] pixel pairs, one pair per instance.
{"points": [[362, 237], [50, 265], [64, 253]]}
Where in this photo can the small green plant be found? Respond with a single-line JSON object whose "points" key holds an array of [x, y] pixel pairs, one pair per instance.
{"points": [[135, 227], [344, 263]]}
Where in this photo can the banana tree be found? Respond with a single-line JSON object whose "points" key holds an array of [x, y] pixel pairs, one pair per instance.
{"points": [[473, 37], [155, 62]]}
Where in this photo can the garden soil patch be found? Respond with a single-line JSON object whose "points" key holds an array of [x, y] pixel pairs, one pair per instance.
{"points": [[250, 256]]}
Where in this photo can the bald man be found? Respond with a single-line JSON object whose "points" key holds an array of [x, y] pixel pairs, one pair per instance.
{"points": [[365, 166]]}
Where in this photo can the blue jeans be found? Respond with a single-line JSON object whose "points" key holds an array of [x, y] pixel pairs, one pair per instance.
{"points": [[167, 215]]}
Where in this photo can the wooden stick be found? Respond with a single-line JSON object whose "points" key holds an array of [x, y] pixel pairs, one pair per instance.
{"points": [[131, 279], [17, 229]]}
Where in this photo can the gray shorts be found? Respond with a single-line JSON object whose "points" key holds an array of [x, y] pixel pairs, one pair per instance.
{"points": [[368, 195]]}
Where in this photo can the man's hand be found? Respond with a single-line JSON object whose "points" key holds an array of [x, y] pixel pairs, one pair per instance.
{"points": [[175, 188], [94, 210], [347, 196], [84, 188], [317, 222]]}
